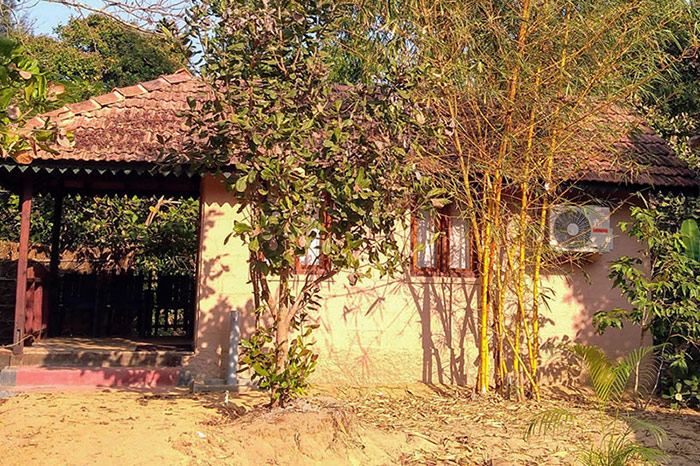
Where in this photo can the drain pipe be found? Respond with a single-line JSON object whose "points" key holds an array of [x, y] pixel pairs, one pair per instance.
{"points": [[233, 338]]}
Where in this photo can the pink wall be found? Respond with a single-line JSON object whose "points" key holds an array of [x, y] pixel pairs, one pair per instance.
{"points": [[577, 293], [394, 330]]}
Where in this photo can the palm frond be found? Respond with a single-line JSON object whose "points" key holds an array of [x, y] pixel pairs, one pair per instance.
{"points": [[549, 421], [649, 455], [619, 450], [599, 368], [627, 365], [648, 375], [637, 425], [609, 380]]}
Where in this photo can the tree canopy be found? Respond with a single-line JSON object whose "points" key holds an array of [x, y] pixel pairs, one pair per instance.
{"points": [[315, 167], [24, 90], [672, 104], [94, 54]]}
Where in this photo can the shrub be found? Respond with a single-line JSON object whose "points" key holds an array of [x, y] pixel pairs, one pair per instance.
{"points": [[285, 379], [662, 287], [610, 381]]}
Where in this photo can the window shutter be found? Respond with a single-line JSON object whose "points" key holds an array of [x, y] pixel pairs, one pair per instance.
{"points": [[459, 244], [312, 258], [426, 228]]}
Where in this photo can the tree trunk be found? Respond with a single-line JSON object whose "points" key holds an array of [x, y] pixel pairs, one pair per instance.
{"points": [[282, 321]]}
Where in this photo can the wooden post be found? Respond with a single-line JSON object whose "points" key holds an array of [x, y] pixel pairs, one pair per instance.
{"points": [[55, 262], [21, 295]]}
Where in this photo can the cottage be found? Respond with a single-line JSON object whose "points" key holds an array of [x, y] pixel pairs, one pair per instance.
{"points": [[418, 327]]}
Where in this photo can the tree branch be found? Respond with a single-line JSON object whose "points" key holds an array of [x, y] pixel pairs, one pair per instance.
{"points": [[134, 14]]}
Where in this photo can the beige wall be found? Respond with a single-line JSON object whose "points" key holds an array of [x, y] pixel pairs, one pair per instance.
{"points": [[222, 275], [394, 330]]}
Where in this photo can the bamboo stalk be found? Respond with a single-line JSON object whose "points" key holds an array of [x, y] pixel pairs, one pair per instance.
{"points": [[543, 215]]}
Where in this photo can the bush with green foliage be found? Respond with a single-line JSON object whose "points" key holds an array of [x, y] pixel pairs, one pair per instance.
{"points": [[145, 235], [148, 235], [24, 90], [662, 286], [610, 381], [289, 379]]}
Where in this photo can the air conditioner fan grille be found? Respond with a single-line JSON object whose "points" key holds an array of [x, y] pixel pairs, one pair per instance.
{"points": [[572, 228]]}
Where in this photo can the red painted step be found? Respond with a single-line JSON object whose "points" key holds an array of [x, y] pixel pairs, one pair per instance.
{"points": [[137, 377]]}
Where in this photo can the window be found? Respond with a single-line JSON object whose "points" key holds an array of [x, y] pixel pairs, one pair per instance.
{"points": [[314, 260], [448, 254], [426, 227], [459, 243], [314, 256]]}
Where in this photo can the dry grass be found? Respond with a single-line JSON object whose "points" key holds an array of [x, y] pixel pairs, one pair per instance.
{"points": [[416, 424]]}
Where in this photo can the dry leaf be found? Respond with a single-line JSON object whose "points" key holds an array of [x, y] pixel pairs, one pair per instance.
{"points": [[13, 112], [56, 89]]}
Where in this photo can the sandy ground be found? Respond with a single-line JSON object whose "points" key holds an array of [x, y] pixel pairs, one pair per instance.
{"points": [[381, 425]]}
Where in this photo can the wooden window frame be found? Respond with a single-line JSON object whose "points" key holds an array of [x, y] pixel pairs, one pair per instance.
{"points": [[442, 249]]}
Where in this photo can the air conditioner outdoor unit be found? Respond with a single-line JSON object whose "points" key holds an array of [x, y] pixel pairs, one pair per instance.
{"points": [[580, 229]]}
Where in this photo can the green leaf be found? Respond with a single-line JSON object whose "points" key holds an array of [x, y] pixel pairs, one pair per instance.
{"points": [[259, 370], [691, 239], [439, 203], [6, 97], [326, 247], [241, 184], [240, 227]]}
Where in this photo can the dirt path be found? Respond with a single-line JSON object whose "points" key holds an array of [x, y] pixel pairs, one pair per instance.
{"points": [[97, 428], [382, 425]]}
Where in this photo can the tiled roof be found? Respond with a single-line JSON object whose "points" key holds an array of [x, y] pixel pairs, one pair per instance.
{"points": [[636, 155], [122, 127]]}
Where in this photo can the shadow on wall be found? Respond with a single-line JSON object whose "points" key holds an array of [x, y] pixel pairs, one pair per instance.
{"points": [[579, 292], [213, 307], [396, 330], [426, 329], [223, 282], [455, 320]]}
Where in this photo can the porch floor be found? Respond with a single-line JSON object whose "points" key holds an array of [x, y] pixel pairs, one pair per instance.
{"points": [[112, 344], [102, 352]]}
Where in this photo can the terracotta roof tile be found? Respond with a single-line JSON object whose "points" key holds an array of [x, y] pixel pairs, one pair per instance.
{"points": [[122, 126], [625, 150], [85, 106], [55, 113], [155, 84], [178, 77], [107, 99], [131, 91]]}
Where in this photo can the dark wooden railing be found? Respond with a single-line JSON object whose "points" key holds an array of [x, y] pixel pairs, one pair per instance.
{"points": [[100, 305], [36, 302]]}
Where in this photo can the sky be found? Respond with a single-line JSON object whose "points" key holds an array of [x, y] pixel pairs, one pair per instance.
{"points": [[45, 16]]}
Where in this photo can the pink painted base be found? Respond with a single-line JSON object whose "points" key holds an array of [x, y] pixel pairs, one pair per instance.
{"points": [[97, 377]]}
